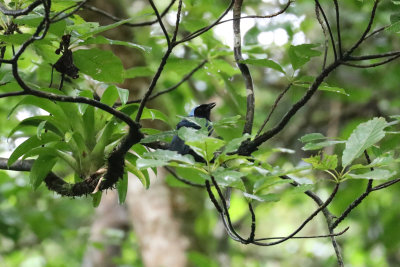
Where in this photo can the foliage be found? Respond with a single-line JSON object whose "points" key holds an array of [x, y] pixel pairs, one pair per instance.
{"points": [[92, 142]]}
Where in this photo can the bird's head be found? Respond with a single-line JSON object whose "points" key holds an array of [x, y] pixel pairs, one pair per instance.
{"points": [[202, 111]]}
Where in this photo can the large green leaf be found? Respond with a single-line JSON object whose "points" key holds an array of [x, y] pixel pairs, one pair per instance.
{"points": [[167, 155], [103, 139], [150, 163], [301, 54], [53, 152], [377, 174], [311, 137], [42, 103], [264, 63], [40, 169], [263, 198], [100, 64], [200, 142], [30, 144], [103, 40], [229, 178], [88, 119], [52, 125], [158, 137], [100, 29], [110, 95], [122, 188], [143, 178], [234, 144], [319, 145], [364, 136]]}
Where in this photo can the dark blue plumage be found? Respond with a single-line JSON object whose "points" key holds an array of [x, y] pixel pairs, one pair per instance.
{"points": [[177, 144]]}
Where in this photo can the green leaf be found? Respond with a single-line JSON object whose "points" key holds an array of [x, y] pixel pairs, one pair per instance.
{"points": [[39, 129], [364, 136], [317, 146], [103, 40], [158, 137], [123, 95], [150, 163], [229, 178], [100, 29], [138, 72], [234, 144], [40, 169], [394, 28], [88, 119], [337, 90], [122, 188], [96, 198], [54, 152], [311, 137], [110, 95], [42, 103], [227, 122], [267, 182], [200, 142], [103, 139], [263, 198], [51, 124], [377, 174], [15, 39], [167, 155], [301, 54], [102, 65], [144, 179], [383, 160], [30, 144], [264, 63], [324, 162], [154, 114]]}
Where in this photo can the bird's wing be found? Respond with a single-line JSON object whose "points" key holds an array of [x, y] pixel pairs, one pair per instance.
{"points": [[179, 146], [186, 123]]}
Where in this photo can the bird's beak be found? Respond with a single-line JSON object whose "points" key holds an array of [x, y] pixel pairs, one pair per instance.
{"points": [[211, 105]]}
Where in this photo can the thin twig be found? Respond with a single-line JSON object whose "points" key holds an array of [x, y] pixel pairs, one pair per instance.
{"points": [[324, 31], [178, 17], [283, 10], [207, 28], [371, 65], [320, 208], [76, 9], [305, 237], [386, 184], [273, 108], [374, 56], [329, 28], [159, 18], [184, 79], [366, 31], [338, 28], [116, 19], [248, 147]]}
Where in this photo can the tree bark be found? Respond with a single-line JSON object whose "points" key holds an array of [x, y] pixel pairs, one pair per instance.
{"points": [[158, 230]]}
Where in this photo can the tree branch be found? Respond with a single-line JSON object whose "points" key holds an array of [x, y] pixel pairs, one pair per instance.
{"points": [[19, 12], [237, 6]]}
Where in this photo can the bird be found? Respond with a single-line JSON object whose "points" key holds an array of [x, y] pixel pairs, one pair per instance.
{"points": [[177, 144]]}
